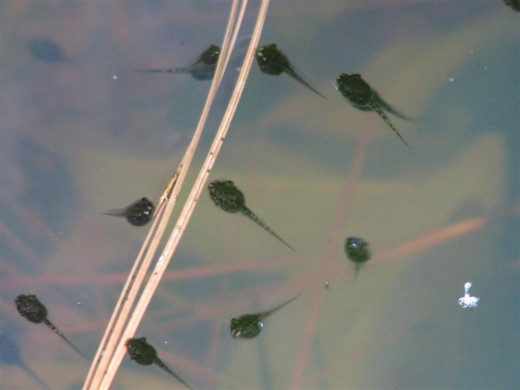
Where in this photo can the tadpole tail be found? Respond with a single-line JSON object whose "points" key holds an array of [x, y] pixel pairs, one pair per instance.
{"points": [[378, 109], [115, 212], [291, 73], [160, 363], [387, 107], [269, 312], [162, 70], [246, 211], [357, 268], [58, 332]]}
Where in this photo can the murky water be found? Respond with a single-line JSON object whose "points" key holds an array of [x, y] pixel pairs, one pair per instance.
{"points": [[82, 133]]}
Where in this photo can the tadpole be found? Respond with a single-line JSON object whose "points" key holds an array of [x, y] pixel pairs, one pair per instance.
{"points": [[362, 96], [139, 213], [143, 353], [31, 308], [274, 62], [514, 4], [229, 198], [249, 326], [203, 68], [357, 251]]}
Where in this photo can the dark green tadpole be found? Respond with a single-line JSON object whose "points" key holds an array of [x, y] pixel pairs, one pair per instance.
{"points": [[274, 62], [515, 4], [143, 353], [229, 198], [358, 251], [139, 213], [31, 308], [203, 68], [249, 326], [359, 93]]}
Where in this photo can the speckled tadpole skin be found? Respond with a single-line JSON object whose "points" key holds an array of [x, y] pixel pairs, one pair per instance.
{"points": [[249, 326], [274, 62], [229, 198], [143, 353], [203, 68], [31, 308], [362, 96], [139, 213], [357, 251]]}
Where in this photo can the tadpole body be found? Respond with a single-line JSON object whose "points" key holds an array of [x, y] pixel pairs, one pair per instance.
{"points": [[357, 251]]}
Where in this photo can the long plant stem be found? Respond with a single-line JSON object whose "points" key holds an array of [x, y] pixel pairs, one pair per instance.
{"points": [[112, 336], [190, 204]]}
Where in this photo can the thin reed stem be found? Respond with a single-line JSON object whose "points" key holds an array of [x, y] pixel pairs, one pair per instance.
{"points": [[112, 337], [187, 211]]}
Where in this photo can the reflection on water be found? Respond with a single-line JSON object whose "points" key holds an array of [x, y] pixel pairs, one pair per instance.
{"points": [[10, 355], [45, 50], [75, 141], [201, 69]]}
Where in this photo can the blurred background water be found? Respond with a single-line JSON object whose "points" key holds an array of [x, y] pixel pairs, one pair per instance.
{"points": [[81, 133]]}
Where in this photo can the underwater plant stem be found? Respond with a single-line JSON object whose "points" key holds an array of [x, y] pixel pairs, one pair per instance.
{"points": [[99, 375], [189, 206], [120, 315]]}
